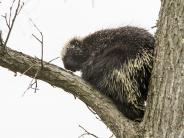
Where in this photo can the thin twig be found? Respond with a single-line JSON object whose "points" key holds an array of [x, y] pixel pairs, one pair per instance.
{"points": [[32, 83], [86, 133], [41, 50], [153, 27], [36, 38], [21, 7], [11, 23], [10, 14], [111, 136], [96, 115], [53, 59], [1, 38], [27, 70], [91, 110], [6, 20], [39, 40], [36, 86]]}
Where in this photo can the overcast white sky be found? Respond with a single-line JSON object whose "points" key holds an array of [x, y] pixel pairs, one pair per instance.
{"points": [[52, 113]]}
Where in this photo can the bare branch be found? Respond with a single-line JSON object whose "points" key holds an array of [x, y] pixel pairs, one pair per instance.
{"points": [[27, 70], [153, 27], [6, 20], [53, 59], [10, 13], [35, 26], [19, 10], [87, 133], [33, 82], [11, 21], [111, 136], [1, 39], [91, 110], [56, 76], [39, 40], [36, 38]]}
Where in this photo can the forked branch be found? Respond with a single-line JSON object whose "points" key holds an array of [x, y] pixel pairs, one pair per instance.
{"points": [[10, 20]]}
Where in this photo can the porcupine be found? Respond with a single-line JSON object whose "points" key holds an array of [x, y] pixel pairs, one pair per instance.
{"points": [[118, 62]]}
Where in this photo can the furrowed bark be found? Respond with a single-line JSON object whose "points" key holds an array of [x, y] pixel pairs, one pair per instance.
{"points": [[165, 111]]}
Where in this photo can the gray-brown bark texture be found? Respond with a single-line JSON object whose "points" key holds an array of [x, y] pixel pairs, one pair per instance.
{"points": [[164, 116], [165, 111]]}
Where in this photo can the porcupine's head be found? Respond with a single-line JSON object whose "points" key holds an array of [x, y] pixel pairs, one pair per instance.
{"points": [[74, 54]]}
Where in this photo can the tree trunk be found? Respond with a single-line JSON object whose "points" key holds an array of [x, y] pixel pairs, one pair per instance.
{"points": [[164, 117]]}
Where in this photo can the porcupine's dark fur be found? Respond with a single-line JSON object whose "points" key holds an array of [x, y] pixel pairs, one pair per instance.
{"points": [[118, 62]]}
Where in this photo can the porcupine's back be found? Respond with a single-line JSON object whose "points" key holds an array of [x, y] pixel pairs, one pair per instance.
{"points": [[120, 66]]}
